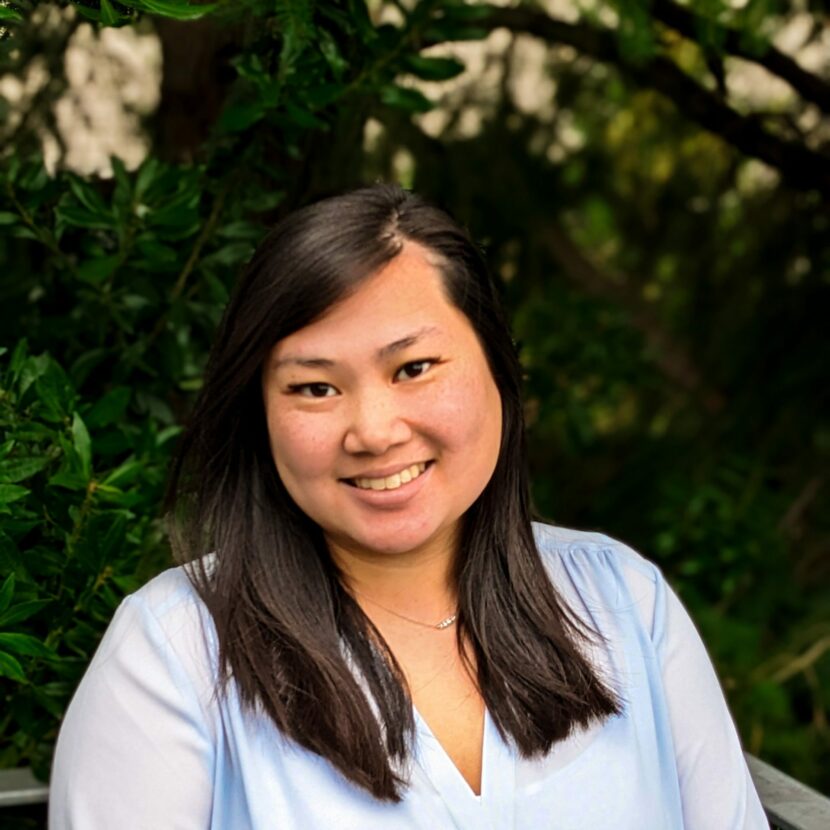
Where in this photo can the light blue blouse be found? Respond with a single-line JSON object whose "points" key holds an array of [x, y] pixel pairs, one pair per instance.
{"points": [[146, 744]]}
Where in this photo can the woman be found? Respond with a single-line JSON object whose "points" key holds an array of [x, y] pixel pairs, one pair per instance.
{"points": [[381, 638]]}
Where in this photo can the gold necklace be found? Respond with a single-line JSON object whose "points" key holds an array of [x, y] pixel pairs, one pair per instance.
{"points": [[445, 623]]}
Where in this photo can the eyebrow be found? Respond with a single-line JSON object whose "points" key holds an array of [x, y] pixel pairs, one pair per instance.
{"points": [[383, 352]]}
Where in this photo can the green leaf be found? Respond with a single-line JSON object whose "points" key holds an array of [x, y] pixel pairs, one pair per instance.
{"points": [[13, 470], [295, 21], [87, 195], [192, 384], [112, 495], [53, 704], [83, 445], [67, 478], [405, 98], [217, 292], [35, 178], [7, 13], [238, 117], [433, 69], [321, 95], [109, 408], [241, 230], [87, 13], [125, 473], [6, 217], [167, 434], [123, 185], [10, 667], [109, 17], [25, 644], [24, 232], [169, 8], [18, 358], [55, 391], [31, 368], [155, 252], [358, 16], [22, 611], [11, 492], [150, 169], [83, 218], [114, 539], [95, 271], [9, 554], [303, 118], [250, 66], [262, 202], [7, 592], [181, 210], [331, 52], [232, 254]]}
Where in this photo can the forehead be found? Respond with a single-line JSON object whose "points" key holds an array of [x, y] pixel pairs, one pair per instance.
{"points": [[405, 296]]}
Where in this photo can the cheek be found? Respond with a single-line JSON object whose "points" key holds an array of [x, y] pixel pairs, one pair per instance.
{"points": [[301, 448], [468, 413]]}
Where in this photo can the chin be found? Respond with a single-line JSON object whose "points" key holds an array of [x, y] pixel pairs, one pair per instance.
{"points": [[390, 546], [389, 542]]}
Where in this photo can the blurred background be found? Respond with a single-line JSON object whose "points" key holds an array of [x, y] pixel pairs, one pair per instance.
{"points": [[650, 182]]}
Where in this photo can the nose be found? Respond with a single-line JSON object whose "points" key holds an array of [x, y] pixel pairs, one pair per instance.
{"points": [[376, 424]]}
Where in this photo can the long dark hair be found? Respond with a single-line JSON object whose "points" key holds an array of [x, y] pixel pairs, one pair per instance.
{"points": [[291, 639]]}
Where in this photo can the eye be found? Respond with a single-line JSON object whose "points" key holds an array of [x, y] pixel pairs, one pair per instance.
{"points": [[414, 369], [312, 390]]}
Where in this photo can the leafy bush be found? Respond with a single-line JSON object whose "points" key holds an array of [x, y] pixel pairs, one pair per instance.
{"points": [[79, 488], [124, 280]]}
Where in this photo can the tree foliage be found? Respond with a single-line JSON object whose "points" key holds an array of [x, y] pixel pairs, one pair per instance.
{"points": [[661, 235]]}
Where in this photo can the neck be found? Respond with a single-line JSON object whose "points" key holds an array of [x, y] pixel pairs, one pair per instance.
{"points": [[418, 583]]}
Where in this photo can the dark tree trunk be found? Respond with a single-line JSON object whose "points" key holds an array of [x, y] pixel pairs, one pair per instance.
{"points": [[196, 77]]}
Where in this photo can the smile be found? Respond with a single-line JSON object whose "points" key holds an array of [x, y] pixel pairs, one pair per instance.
{"points": [[392, 482]]}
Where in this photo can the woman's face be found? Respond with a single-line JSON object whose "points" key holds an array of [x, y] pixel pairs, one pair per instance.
{"points": [[383, 417]]}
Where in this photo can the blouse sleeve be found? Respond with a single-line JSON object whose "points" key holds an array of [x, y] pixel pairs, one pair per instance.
{"points": [[716, 788], [135, 748]]}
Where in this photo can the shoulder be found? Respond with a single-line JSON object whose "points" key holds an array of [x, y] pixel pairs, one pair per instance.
{"points": [[144, 719], [601, 571], [169, 594], [164, 623], [595, 553], [168, 600]]}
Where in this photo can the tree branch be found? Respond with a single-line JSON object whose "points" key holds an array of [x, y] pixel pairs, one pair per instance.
{"points": [[190, 264], [802, 661], [811, 87], [803, 168]]}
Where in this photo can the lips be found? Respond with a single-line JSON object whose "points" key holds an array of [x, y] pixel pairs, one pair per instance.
{"points": [[390, 481]]}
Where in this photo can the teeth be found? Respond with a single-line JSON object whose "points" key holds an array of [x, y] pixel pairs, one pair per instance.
{"points": [[391, 482]]}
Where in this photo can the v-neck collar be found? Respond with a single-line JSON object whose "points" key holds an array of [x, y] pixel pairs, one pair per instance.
{"points": [[494, 807]]}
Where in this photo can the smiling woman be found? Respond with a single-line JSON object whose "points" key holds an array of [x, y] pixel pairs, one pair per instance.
{"points": [[380, 636], [351, 406]]}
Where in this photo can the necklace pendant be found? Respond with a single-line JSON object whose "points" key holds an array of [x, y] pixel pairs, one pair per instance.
{"points": [[447, 622]]}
